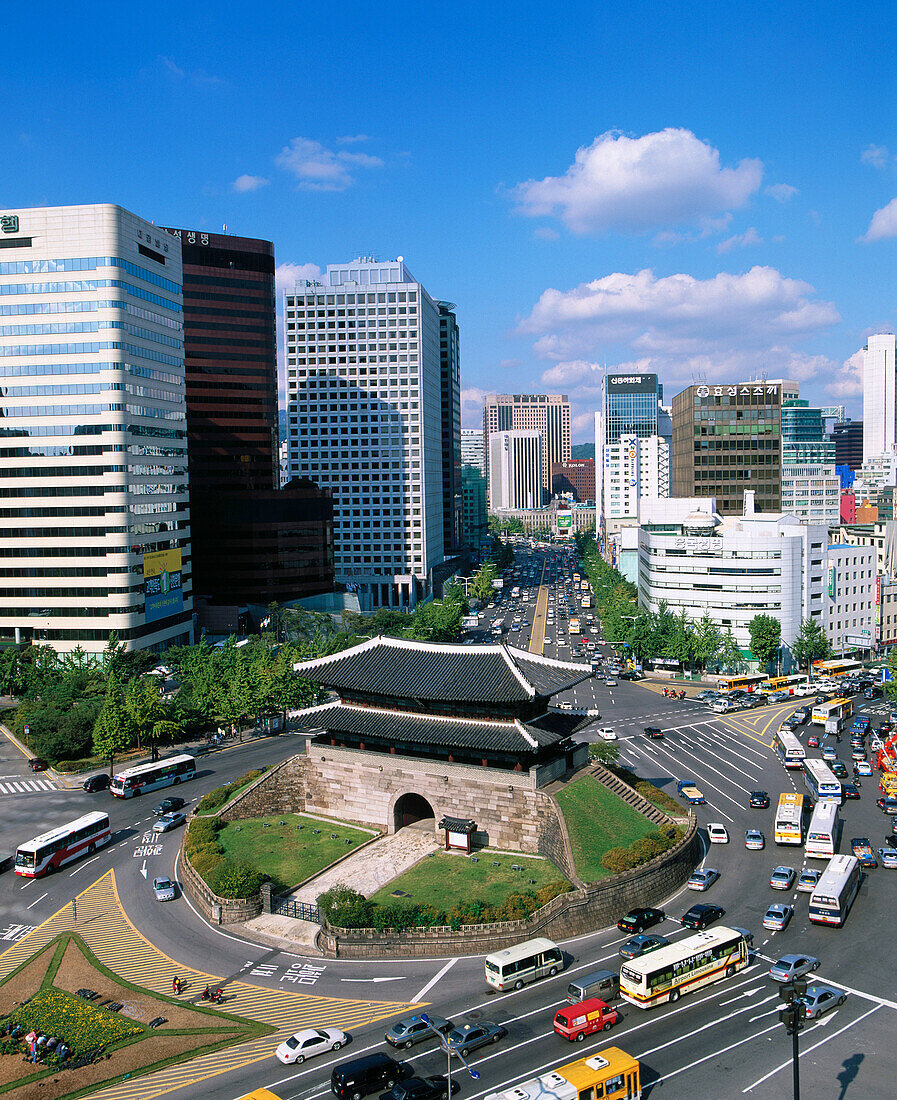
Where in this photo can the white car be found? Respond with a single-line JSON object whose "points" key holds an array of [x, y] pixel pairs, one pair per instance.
{"points": [[606, 734], [311, 1041], [717, 834]]}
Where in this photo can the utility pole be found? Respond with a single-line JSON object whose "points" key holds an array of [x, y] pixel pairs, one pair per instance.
{"points": [[792, 1016], [444, 1044]]}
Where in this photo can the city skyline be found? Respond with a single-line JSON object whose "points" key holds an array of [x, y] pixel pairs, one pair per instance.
{"points": [[734, 214]]}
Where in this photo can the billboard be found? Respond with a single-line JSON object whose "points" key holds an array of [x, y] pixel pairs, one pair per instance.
{"points": [[565, 521], [162, 592], [832, 581], [631, 383]]}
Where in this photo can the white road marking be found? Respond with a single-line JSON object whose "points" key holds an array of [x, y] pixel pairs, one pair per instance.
{"points": [[32, 905]]}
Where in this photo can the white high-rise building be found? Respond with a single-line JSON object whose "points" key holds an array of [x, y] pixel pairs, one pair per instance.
{"points": [[515, 470], [546, 413], [473, 449], [94, 523], [365, 423], [879, 396]]}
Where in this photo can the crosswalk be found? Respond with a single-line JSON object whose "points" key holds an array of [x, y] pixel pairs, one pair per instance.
{"points": [[26, 786]]}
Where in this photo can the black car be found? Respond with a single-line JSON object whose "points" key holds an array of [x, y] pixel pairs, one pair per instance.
{"points": [[838, 768], [167, 805], [653, 731], [637, 920], [872, 692], [37, 764], [421, 1088], [759, 800], [849, 790], [699, 916], [96, 783]]}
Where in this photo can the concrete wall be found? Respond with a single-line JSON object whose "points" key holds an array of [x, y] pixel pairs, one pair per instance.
{"points": [[217, 910]]}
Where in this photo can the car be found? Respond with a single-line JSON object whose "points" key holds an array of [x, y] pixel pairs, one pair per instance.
{"points": [[412, 1029], [888, 857], [777, 917], [863, 767], [610, 682], [838, 769], [757, 699], [690, 793], [703, 878], [862, 724], [850, 790], [37, 764], [95, 783], [790, 725], [813, 741], [777, 697], [167, 805], [164, 889], [754, 840], [722, 706], [782, 878], [169, 821], [637, 920], [789, 967], [654, 731], [705, 696], [871, 692], [876, 744], [308, 1042], [468, 1037], [801, 715], [759, 800], [820, 998], [717, 834], [829, 753], [699, 916], [421, 1088], [887, 805], [806, 882], [640, 945], [885, 729], [606, 733]]}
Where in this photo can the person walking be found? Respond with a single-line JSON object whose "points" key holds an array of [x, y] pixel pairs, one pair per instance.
{"points": [[176, 985]]}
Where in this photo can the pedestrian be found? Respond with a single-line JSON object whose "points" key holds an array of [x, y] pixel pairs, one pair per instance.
{"points": [[176, 985]]}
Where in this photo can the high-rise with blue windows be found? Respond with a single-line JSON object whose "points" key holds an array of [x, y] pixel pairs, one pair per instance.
{"points": [[94, 512]]}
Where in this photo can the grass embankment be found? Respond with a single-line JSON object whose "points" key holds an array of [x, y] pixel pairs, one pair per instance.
{"points": [[597, 821], [442, 879]]}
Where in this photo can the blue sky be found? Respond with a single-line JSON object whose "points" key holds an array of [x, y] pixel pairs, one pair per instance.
{"points": [[704, 190]]}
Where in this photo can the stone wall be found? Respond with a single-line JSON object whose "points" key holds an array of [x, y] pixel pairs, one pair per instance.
{"points": [[217, 910], [568, 915]]}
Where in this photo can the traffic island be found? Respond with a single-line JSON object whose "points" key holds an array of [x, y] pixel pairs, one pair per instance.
{"points": [[101, 1029]]}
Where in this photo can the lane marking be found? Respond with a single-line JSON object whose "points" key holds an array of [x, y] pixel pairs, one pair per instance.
{"points": [[426, 989]]}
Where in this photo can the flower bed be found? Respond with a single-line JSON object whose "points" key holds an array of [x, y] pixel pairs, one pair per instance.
{"points": [[80, 1025]]}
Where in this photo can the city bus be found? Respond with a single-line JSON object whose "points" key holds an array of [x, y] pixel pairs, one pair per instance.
{"points": [[823, 669], [788, 749], [54, 849], [789, 823], [497, 627], [525, 962], [835, 891], [839, 709], [586, 602], [739, 683], [783, 683], [821, 781], [575, 626], [667, 972], [610, 1074], [822, 831], [149, 777]]}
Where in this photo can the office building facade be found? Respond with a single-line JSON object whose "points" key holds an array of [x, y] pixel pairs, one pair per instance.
{"points": [[473, 449], [475, 518], [811, 487], [515, 470], [574, 476], [547, 414], [879, 396], [728, 440], [95, 527], [364, 409], [450, 376], [847, 436]]}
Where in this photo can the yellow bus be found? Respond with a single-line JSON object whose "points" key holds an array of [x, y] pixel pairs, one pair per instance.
{"points": [[789, 823], [783, 683], [834, 708], [747, 682], [611, 1074], [822, 669]]}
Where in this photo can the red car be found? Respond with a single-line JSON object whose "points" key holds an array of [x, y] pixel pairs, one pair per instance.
{"points": [[813, 741], [38, 765]]}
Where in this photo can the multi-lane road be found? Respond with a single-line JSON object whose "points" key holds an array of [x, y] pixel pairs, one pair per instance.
{"points": [[724, 1041]]}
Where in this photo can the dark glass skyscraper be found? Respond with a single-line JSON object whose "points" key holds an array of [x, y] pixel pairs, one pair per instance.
{"points": [[450, 381]]}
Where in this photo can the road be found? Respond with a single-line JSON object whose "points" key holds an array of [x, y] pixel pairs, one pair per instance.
{"points": [[723, 1041]]}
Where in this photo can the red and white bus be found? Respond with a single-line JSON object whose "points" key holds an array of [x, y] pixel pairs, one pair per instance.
{"points": [[149, 777], [52, 850]]}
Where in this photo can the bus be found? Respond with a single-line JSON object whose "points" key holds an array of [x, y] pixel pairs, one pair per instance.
{"points": [[823, 669], [149, 777], [835, 891], [739, 683], [839, 709], [575, 626], [52, 850], [586, 602], [789, 823], [821, 781], [522, 963], [783, 683], [788, 749], [610, 1073], [822, 833], [584, 586], [515, 592], [667, 972]]}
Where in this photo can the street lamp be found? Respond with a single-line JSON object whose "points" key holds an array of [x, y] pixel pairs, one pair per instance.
{"points": [[444, 1044], [792, 1016]]}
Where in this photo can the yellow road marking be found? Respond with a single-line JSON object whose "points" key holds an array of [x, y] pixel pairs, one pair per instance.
{"points": [[537, 637]]}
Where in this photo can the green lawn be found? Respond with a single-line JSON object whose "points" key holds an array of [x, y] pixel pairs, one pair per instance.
{"points": [[284, 851], [441, 880], [596, 821]]}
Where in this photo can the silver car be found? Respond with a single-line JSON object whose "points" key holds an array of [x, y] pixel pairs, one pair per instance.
{"points": [[792, 966], [164, 889], [820, 998], [412, 1029]]}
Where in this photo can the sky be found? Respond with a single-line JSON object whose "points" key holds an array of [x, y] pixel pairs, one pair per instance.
{"points": [[706, 191]]}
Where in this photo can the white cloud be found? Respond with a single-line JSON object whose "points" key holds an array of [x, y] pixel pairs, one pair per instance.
{"points": [[781, 192], [287, 275], [740, 240], [848, 381], [546, 233], [318, 168], [883, 224], [626, 184], [875, 155], [245, 183], [472, 406], [352, 139], [199, 77]]}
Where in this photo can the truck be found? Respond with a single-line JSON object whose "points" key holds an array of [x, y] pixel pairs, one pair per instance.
{"points": [[576, 1021], [861, 847]]}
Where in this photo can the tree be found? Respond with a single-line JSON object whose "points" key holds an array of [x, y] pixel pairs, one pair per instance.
{"points": [[766, 637], [810, 645], [707, 640], [891, 685], [112, 731], [729, 656], [162, 731], [481, 587], [144, 705], [604, 752], [640, 637], [679, 644], [453, 592]]}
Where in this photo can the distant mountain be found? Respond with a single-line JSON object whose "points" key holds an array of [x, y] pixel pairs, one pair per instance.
{"points": [[582, 450]]}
